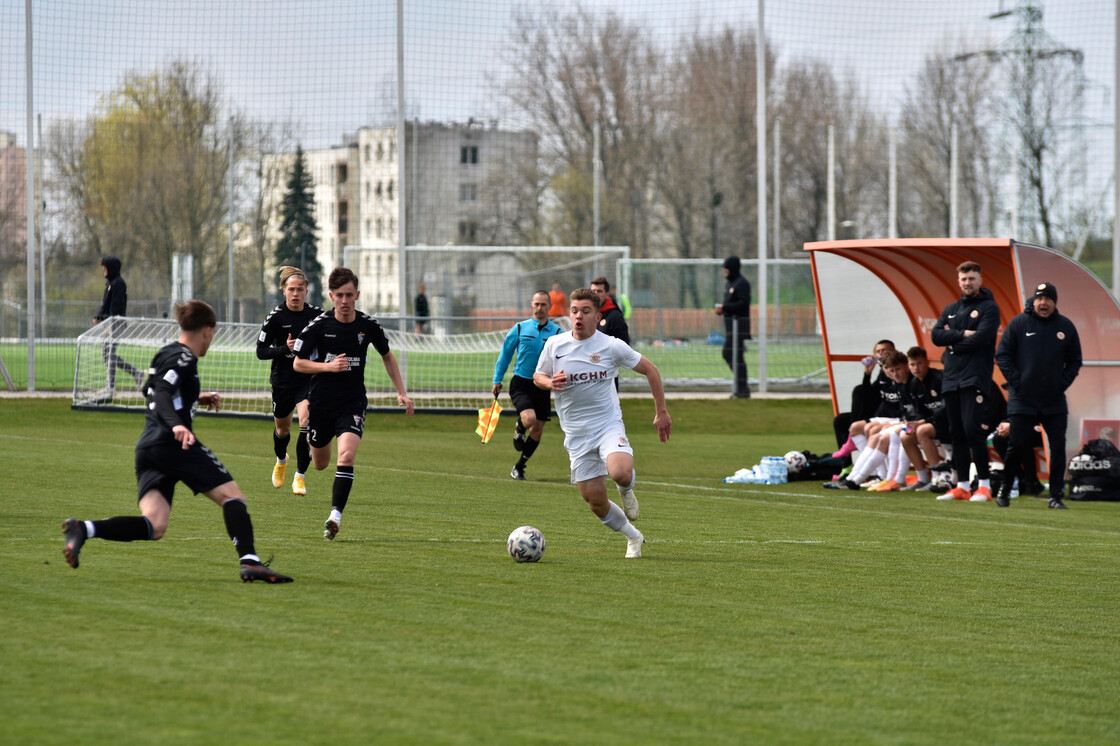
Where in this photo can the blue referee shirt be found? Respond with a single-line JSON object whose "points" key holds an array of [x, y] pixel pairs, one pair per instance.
{"points": [[527, 339]]}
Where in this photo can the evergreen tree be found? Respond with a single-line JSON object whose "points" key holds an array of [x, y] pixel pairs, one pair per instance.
{"points": [[298, 246]]}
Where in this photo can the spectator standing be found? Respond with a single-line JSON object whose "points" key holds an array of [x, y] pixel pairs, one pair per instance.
{"points": [[736, 313], [420, 308], [967, 330], [1040, 356], [114, 302], [559, 302]]}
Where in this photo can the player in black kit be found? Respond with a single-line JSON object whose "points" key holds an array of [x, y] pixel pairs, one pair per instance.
{"points": [[333, 349], [168, 452], [289, 389]]}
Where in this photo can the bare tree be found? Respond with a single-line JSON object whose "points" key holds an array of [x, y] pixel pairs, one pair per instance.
{"points": [[810, 98], [949, 89], [570, 70]]}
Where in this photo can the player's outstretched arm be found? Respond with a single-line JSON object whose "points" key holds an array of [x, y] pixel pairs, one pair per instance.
{"points": [[661, 419], [389, 360]]}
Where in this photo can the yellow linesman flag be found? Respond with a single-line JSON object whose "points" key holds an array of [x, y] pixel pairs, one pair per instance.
{"points": [[488, 421]]}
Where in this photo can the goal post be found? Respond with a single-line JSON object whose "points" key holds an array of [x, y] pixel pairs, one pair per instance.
{"points": [[449, 372], [475, 280]]}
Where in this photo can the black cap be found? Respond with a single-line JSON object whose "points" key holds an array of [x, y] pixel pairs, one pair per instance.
{"points": [[1048, 290]]}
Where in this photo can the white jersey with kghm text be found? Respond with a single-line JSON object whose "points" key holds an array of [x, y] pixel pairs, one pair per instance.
{"points": [[589, 401]]}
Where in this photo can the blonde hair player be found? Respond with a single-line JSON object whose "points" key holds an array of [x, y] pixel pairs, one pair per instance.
{"points": [[275, 342]]}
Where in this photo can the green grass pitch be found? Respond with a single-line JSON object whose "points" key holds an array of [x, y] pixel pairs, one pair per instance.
{"points": [[781, 614]]}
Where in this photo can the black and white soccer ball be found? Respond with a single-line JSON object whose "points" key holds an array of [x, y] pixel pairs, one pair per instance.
{"points": [[525, 544], [795, 461]]}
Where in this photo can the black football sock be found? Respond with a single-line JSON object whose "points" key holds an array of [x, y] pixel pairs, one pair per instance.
{"points": [[303, 452], [238, 526], [123, 528], [527, 451], [340, 490], [280, 444]]}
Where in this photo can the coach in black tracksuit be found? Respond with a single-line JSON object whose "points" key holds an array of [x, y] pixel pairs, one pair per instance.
{"points": [[1040, 356], [736, 312], [967, 328]]}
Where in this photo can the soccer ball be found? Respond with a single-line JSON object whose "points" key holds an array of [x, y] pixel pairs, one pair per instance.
{"points": [[525, 544], [795, 461]]}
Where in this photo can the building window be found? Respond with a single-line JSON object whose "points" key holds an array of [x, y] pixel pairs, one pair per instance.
{"points": [[380, 151], [468, 154], [343, 173], [369, 226], [343, 217], [392, 150], [468, 192], [389, 189], [367, 152], [378, 190], [368, 189], [468, 232], [380, 228]]}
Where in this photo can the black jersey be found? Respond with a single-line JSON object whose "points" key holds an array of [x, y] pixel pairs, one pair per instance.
{"points": [[326, 338], [272, 342], [171, 393], [924, 402]]}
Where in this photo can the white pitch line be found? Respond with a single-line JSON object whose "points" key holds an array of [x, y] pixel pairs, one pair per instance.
{"points": [[728, 494]]}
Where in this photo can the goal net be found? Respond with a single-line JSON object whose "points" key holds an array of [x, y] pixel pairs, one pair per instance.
{"points": [[444, 372], [466, 281]]}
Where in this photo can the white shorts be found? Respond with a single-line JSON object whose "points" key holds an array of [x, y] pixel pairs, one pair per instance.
{"points": [[588, 453]]}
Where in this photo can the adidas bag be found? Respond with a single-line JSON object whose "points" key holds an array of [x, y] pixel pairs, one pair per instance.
{"points": [[1094, 473]]}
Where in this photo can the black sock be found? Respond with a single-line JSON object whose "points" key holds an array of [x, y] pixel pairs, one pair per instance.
{"points": [[123, 528], [527, 450], [340, 491], [238, 526], [303, 452], [280, 444]]}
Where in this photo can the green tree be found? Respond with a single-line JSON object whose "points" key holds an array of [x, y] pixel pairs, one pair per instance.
{"points": [[146, 177], [298, 246]]}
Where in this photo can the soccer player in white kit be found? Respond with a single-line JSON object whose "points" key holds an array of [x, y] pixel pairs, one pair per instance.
{"points": [[579, 367]]}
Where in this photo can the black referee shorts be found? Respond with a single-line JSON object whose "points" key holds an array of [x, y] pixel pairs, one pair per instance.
{"points": [[527, 395], [159, 467]]}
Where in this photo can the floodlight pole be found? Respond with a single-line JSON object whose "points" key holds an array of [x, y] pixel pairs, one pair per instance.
{"points": [[29, 168], [1116, 162], [760, 155]]}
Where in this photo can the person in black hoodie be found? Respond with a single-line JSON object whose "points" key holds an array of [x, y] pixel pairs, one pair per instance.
{"points": [[1040, 356], [967, 328], [114, 302], [736, 313]]}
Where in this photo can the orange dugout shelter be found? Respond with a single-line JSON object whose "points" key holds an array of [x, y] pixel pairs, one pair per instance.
{"points": [[895, 289]]}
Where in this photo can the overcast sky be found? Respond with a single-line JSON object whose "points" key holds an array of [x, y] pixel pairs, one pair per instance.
{"points": [[329, 65]]}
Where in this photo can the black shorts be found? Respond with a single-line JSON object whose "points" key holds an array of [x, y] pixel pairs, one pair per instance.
{"points": [[329, 419], [285, 398], [159, 467], [527, 395]]}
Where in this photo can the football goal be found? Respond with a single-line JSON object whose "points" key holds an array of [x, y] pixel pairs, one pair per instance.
{"points": [[443, 372]]}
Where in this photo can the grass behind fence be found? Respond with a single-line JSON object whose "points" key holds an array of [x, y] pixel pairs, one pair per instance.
{"points": [[54, 365], [758, 614]]}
